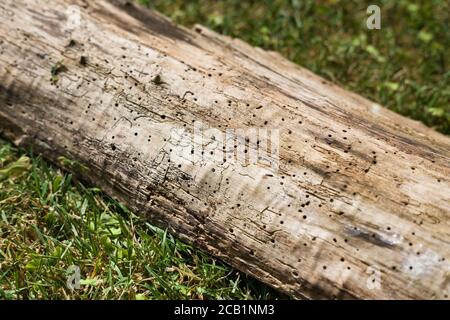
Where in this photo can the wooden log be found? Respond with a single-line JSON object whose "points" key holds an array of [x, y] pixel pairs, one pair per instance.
{"points": [[312, 189]]}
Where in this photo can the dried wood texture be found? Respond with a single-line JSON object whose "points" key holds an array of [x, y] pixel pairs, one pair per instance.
{"points": [[352, 196]]}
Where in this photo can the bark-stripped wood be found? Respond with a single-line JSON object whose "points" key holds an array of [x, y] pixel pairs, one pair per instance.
{"points": [[360, 193]]}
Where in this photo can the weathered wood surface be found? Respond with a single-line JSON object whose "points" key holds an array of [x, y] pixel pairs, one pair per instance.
{"points": [[356, 189]]}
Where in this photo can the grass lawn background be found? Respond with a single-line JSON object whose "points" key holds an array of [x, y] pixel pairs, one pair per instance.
{"points": [[49, 221]]}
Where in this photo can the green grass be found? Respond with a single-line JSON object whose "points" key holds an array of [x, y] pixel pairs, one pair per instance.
{"points": [[49, 221]]}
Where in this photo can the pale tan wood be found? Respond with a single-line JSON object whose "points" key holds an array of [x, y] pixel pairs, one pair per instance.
{"points": [[358, 189]]}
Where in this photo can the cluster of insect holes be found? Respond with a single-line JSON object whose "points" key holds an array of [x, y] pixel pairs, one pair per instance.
{"points": [[266, 122]]}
